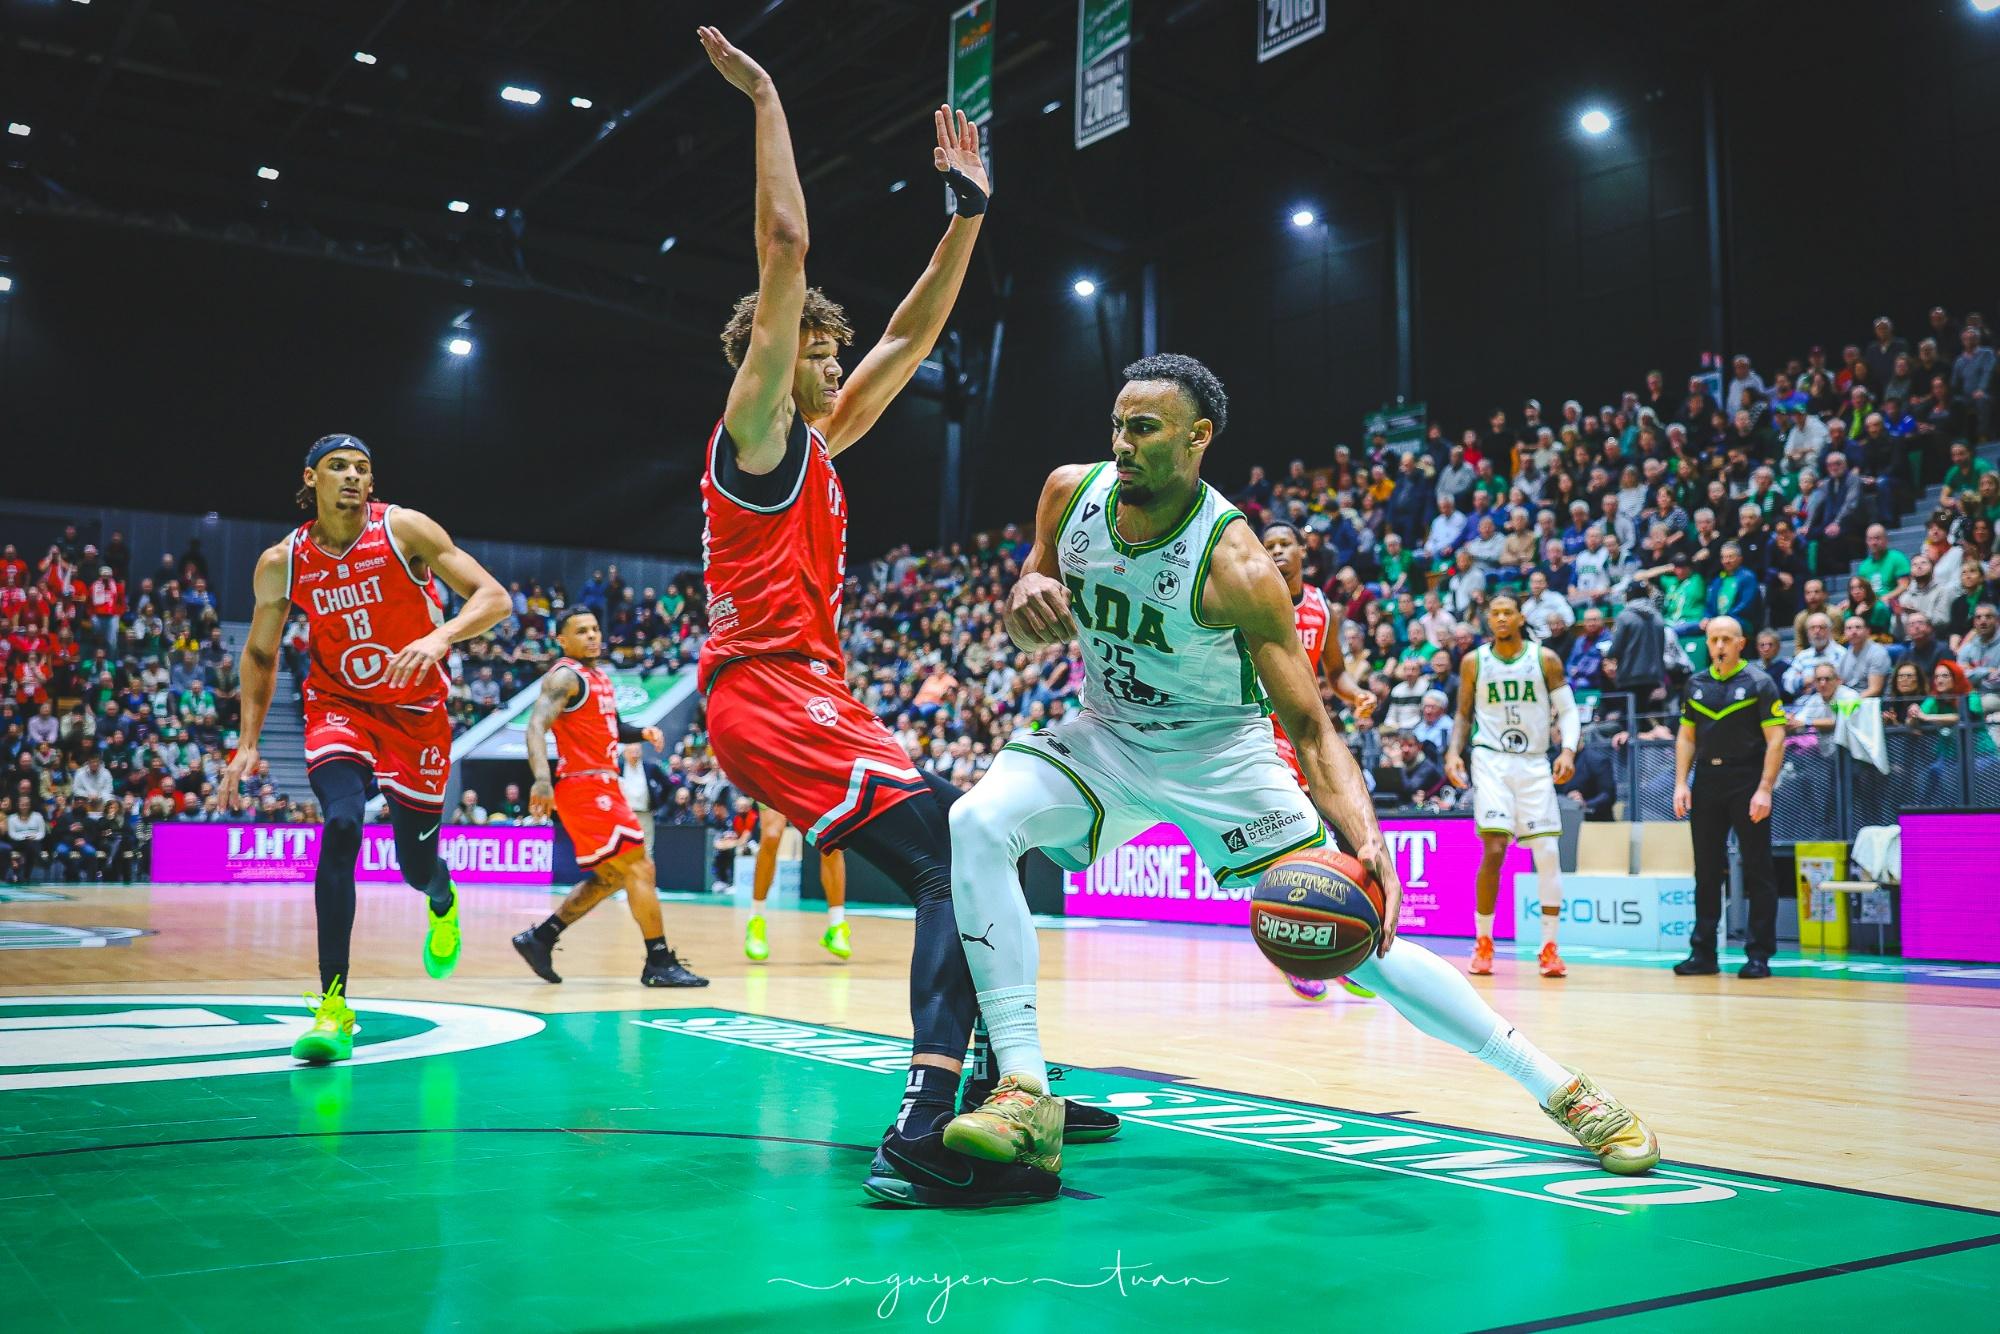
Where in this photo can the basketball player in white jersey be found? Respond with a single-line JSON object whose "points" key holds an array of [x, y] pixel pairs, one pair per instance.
{"points": [[1185, 625], [1508, 693]]}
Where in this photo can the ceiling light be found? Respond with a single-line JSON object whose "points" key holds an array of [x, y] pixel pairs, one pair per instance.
{"points": [[363, 58], [459, 347], [1986, 6], [1594, 121], [1083, 287], [895, 186], [1304, 217], [267, 173], [459, 206], [668, 244], [1050, 108], [581, 103], [15, 127], [527, 97], [6, 283]]}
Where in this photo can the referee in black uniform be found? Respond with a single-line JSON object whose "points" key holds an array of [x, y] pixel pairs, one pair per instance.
{"points": [[1732, 737]]}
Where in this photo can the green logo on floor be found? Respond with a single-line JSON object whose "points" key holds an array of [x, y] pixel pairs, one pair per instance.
{"points": [[49, 936], [66, 1041]]}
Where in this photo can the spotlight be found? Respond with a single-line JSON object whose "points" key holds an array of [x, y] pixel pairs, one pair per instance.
{"points": [[1595, 121], [1986, 6], [459, 347], [459, 206], [581, 103], [1083, 287], [267, 173], [363, 58], [17, 129], [1304, 217], [668, 244], [895, 187], [1050, 108], [6, 283], [527, 97]]}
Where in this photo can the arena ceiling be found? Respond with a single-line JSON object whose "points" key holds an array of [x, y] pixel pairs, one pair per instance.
{"points": [[163, 114]]}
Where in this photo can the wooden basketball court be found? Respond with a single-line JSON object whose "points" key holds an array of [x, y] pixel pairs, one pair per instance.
{"points": [[596, 1155]]}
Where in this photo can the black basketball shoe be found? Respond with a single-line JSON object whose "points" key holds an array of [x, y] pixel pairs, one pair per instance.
{"points": [[669, 971], [922, 1172], [1081, 1124], [540, 956]]}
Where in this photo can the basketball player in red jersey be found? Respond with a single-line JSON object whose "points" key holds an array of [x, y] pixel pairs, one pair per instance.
{"points": [[578, 703], [366, 576], [1319, 635], [774, 547]]}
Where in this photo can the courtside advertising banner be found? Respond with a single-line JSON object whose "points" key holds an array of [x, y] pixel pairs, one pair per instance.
{"points": [[287, 854], [1103, 70], [1157, 878], [1284, 24]]}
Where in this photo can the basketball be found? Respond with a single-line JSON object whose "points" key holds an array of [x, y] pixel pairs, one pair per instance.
{"points": [[1317, 914]]}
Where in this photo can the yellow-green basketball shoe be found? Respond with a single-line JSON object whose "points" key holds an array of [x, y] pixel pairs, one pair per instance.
{"points": [[1605, 1126], [1014, 1125], [441, 941], [837, 941], [331, 1037], [756, 944]]}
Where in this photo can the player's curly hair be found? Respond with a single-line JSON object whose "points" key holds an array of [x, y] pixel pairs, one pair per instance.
{"points": [[1195, 379], [821, 314]]}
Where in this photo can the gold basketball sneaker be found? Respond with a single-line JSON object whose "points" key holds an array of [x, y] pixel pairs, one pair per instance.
{"points": [[1014, 1125], [1605, 1126]]}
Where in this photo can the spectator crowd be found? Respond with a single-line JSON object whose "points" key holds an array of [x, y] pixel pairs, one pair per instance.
{"points": [[1764, 494]]}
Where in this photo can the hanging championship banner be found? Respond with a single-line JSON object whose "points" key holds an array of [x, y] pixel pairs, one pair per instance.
{"points": [[969, 79], [1283, 24], [1103, 76]]}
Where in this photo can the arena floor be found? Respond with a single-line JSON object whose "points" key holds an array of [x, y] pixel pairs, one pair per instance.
{"points": [[505, 1153]]}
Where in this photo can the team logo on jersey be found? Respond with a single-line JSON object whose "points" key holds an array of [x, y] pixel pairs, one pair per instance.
{"points": [[1166, 584], [335, 719], [1177, 554], [364, 666], [373, 562], [817, 667], [1092, 510], [822, 711], [341, 569], [1514, 741], [430, 757], [603, 802], [1079, 541]]}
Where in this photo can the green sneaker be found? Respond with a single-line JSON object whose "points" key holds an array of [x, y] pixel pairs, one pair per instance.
{"points": [[837, 942], [756, 945], [441, 941], [331, 1037]]}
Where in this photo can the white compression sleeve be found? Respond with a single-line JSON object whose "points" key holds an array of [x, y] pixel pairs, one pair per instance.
{"points": [[1569, 727], [1023, 802]]}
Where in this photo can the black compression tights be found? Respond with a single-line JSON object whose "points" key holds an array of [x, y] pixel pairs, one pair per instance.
{"points": [[342, 787], [911, 844]]}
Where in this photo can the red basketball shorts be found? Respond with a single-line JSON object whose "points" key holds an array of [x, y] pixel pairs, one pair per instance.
{"points": [[1287, 751], [408, 746], [596, 816], [790, 736]]}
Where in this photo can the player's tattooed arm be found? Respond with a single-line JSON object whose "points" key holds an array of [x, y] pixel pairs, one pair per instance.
{"points": [[272, 586], [914, 328], [558, 689], [1461, 725], [1245, 590], [1037, 609], [424, 540]]}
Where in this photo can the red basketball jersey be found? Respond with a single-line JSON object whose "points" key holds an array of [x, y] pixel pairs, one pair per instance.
{"points": [[363, 607], [587, 731], [1313, 619], [774, 572]]}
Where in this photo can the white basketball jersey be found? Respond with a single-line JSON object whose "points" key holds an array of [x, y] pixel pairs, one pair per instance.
{"points": [[1510, 706], [1151, 662]]}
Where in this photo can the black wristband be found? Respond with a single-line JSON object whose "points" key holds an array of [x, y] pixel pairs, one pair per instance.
{"points": [[628, 733], [971, 199]]}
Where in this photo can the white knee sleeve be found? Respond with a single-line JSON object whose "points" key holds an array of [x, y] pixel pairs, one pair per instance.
{"points": [[1548, 871]]}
